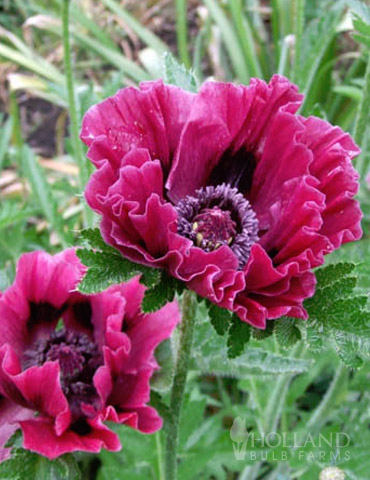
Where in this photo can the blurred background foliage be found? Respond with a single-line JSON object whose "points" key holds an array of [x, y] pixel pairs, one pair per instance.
{"points": [[322, 46]]}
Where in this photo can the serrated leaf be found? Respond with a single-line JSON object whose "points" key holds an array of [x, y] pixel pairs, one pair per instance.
{"points": [[177, 74], [92, 237], [259, 334], [106, 269], [25, 464], [286, 332], [238, 336], [162, 292], [330, 274], [253, 361], [220, 318], [338, 314]]}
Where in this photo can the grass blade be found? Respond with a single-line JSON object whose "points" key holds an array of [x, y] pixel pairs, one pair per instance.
{"points": [[119, 61], [143, 33], [42, 191], [230, 39], [319, 39], [5, 136], [244, 33], [182, 32], [36, 64], [362, 119]]}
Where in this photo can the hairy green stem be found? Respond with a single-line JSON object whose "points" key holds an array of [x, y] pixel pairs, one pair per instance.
{"points": [[76, 143], [179, 381], [320, 415], [182, 32], [158, 443], [273, 411], [362, 119]]}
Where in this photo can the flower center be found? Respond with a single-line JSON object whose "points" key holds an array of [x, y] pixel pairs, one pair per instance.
{"points": [[217, 216], [213, 227], [78, 357]]}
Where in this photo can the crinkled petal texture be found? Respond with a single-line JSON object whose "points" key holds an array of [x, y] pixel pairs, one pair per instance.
{"points": [[32, 392], [155, 145]]}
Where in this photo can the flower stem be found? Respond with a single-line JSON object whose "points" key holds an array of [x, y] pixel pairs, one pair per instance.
{"points": [[273, 410], [158, 443], [77, 146], [320, 415], [178, 386]]}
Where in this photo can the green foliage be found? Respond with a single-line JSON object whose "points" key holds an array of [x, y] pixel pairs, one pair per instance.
{"points": [[238, 332], [286, 331], [42, 191], [162, 292], [24, 464], [107, 267], [361, 21], [176, 74], [232, 41], [238, 336], [339, 314], [211, 354], [220, 318], [162, 379]]}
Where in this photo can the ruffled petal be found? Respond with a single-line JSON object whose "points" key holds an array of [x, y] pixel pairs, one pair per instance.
{"points": [[333, 151], [10, 416], [35, 302], [225, 117], [39, 436], [150, 117]]}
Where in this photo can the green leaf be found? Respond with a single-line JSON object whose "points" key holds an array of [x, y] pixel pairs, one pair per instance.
{"points": [[238, 332], [238, 336], [42, 191], [107, 267], [339, 314], [161, 380], [145, 34], [5, 137], [162, 292], [210, 353], [254, 361], [361, 21], [258, 334], [93, 238], [317, 37], [286, 331], [177, 74], [219, 317], [25, 464]]}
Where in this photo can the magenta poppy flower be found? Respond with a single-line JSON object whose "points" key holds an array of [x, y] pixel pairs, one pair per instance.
{"points": [[227, 189], [69, 362]]}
